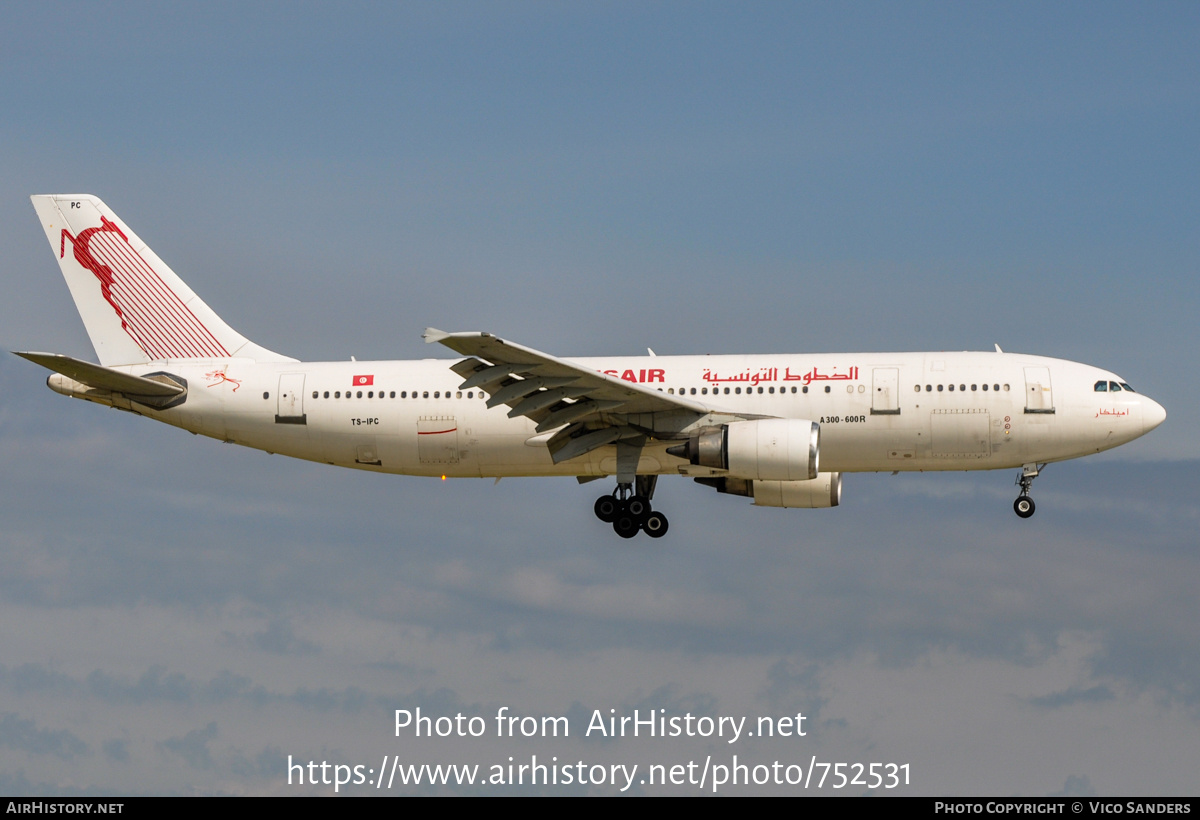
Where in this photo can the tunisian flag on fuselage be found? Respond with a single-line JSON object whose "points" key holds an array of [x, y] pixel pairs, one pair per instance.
{"points": [[362, 381]]}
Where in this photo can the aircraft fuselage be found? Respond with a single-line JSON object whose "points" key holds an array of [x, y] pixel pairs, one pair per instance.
{"points": [[876, 411]]}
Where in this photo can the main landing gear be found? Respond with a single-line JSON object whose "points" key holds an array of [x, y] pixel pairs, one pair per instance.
{"points": [[1024, 505], [629, 511]]}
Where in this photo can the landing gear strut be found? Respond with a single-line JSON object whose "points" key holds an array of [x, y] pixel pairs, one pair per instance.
{"points": [[628, 509], [1024, 505]]}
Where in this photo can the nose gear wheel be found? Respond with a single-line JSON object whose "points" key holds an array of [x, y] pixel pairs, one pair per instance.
{"points": [[1024, 506]]}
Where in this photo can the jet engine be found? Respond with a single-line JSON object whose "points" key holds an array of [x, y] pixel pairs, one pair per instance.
{"points": [[766, 449]]}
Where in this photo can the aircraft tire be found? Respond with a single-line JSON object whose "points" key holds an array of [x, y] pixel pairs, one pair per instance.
{"points": [[625, 526], [655, 525], [607, 508], [638, 506], [1024, 506]]}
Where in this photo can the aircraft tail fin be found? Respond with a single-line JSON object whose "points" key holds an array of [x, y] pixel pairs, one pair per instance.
{"points": [[134, 307]]}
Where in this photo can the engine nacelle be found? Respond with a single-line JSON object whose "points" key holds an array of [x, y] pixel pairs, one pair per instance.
{"points": [[823, 491], [763, 449]]}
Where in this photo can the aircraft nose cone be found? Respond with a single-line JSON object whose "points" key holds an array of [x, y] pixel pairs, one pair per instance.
{"points": [[1153, 415]]}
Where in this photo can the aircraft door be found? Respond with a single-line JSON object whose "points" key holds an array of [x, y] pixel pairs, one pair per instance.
{"points": [[290, 408], [437, 440], [885, 391], [1038, 396], [960, 433]]}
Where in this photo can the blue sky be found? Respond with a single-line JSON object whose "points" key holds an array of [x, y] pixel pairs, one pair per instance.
{"points": [[595, 179]]}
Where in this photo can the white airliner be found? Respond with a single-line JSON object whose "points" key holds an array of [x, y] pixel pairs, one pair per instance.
{"points": [[779, 429]]}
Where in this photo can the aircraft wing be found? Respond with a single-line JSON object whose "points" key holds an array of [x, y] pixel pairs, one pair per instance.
{"points": [[595, 408]]}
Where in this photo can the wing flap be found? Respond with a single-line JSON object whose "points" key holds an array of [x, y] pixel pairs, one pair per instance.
{"points": [[574, 412]]}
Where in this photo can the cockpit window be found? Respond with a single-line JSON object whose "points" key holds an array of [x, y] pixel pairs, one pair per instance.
{"points": [[1102, 387], [1113, 387], [1127, 387]]}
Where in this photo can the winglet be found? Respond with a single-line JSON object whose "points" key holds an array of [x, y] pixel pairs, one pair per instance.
{"points": [[432, 334]]}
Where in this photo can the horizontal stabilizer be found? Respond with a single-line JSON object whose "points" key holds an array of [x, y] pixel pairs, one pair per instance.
{"points": [[102, 378]]}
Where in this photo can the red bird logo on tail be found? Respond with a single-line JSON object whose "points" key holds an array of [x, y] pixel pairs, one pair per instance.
{"points": [[83, 255]]}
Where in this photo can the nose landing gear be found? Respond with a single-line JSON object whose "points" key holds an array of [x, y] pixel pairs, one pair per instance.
{"points": [[1024, 506], [629, 512]]}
